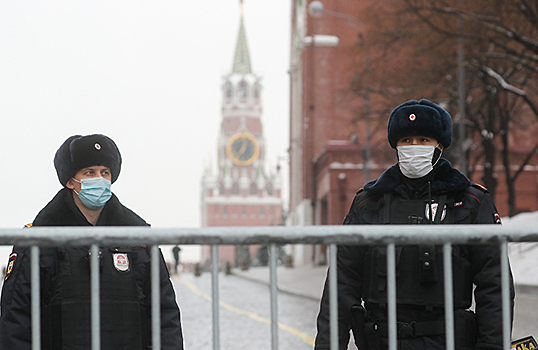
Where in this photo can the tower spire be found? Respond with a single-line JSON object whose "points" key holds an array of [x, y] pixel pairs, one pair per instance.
{"points": [[241, 64]]}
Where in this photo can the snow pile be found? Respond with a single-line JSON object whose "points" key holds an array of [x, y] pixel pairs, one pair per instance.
{"points": [[524, 256]]}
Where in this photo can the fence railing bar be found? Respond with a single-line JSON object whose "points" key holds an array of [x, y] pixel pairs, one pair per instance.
{"points": [[36, 298], [449, 298], [505, 285], [274, 296], [155, 298], [333, 296], [329, 234], [346, 235], [391, 293], [94, 299], [215, 295]]}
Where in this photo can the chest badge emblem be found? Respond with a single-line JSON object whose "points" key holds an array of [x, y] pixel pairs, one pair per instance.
{"points": [[435, 206], [121, 261]]}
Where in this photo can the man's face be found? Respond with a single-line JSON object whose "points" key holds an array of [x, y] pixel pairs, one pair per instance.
{"points": [[89, 172], [418, 141]]}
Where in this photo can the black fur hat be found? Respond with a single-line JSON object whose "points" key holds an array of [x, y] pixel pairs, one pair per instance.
{"points": [[419, 118], [78, 152]]}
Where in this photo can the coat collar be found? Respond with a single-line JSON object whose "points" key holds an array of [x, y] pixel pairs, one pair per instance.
{"points": [[444, 179], [62, 211]]}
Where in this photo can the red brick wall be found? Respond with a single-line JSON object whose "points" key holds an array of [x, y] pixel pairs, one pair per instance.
{"points": [[331, 112]]}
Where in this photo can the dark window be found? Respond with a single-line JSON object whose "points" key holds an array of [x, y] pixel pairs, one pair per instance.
{"points": [[242, 90], [235, 189], [253, 188]]}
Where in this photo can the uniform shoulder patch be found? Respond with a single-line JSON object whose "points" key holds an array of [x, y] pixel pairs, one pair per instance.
{"points": [[480, 187], [497, 218], [10, 264], [527, 343], [28, 225]]}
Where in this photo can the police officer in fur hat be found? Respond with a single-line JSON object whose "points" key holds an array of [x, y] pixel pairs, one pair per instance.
{"points": [[86, 167], [422, 188]]}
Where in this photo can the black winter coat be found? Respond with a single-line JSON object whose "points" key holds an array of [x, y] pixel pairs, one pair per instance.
{"points": [[467, 204], [15, 320]]}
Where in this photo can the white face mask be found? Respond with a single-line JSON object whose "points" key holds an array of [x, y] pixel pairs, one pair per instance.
{"points": [[416, 161]]}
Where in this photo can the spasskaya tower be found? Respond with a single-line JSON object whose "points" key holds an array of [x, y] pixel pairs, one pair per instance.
{"points": [[242, 192]]}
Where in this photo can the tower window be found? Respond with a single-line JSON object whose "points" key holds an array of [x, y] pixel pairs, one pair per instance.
{"points": [[262, 213], [235, 188], [269, 189], [253, 189], [244, 212], [242, 90]]}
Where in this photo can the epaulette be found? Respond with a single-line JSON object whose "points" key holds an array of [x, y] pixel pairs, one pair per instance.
{"points": [[480, 187], [28, 225]]}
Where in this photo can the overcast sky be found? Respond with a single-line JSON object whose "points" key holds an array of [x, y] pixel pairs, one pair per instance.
{"points": [[145, 73]]}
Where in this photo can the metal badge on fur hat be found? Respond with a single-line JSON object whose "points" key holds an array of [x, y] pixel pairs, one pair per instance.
{"points": [[419, 118], [78, 152]]}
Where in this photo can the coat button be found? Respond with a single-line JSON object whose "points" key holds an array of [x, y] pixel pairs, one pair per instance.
{"points": [[426, 264]]}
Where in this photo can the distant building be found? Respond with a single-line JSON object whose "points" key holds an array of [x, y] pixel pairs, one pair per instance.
{"points": [[241, 193], [327, 152]]}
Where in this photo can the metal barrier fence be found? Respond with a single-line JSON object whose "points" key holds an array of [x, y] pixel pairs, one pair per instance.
{"points": [[387, 235]]}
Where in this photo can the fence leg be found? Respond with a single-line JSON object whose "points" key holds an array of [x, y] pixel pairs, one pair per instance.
{"points": [[215, 295], [505, 285], [449, 298], [95, 303], [391, 294], [36, 303], [274, 297], [333, 297], [155, 298]]}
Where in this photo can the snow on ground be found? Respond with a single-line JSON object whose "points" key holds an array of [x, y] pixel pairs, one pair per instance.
{"points": [[524, 256]]}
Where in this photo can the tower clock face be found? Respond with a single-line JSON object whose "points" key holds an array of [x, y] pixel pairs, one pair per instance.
{"points": [[243, 148]]}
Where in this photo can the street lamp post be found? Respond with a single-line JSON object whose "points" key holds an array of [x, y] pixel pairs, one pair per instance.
{"points": [[316, 9], [461, 99]]}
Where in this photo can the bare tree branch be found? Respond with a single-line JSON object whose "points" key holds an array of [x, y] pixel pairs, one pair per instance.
{"points": [[502, 82], [508, 87], [525, 7], [525, 162], [521, 60], [493, 23]]}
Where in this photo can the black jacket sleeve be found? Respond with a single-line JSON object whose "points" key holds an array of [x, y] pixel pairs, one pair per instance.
{"points": [[349, 264], [171, 332], [486, 272], [15, 320]]}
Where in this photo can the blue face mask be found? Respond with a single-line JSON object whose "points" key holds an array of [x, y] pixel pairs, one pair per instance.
{"points": [[94, 192]]}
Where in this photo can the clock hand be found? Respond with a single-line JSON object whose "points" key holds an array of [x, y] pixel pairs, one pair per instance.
{"points": [[243, 148]]}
